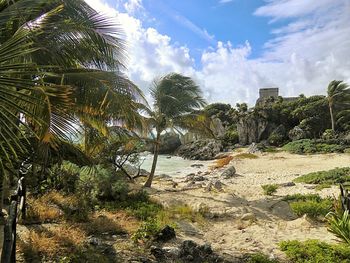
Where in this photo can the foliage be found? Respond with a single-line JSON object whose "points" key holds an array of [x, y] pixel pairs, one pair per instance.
{"points": [[231, 136], [102, 184], [269, 189], [260, 258], [330, 177], [328, 134], [311, 204], [246, 156], [339, 225], [312, 146], [147, 230], [278, 136], [314, 251], [174, 96]]}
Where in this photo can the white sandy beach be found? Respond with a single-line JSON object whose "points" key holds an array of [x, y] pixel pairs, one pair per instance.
{"points": [[242, 195]]}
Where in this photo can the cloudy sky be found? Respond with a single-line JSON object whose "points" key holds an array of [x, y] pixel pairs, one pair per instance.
{"points": [[234, 47]]}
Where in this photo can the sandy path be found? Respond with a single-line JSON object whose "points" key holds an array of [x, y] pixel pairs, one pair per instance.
{"points": [[243, 194]]}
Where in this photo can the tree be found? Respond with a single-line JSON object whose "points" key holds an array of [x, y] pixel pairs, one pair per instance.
{"points": [[338, 95], [174, 96], [61, 68]]}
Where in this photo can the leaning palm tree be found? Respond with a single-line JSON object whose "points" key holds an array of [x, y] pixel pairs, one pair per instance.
{"points": [[174, 95], [338, 95]]}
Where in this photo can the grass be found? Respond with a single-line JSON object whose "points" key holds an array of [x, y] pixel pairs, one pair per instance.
{"points": [[103, 224], [330, 177], [246, 156], [269, 189], [312, 205], [314, 251], [260, 258], [222, 162]]}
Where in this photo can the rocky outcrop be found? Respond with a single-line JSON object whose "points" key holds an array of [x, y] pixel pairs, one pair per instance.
{"points": [[168, 145], [251, 129], [200, 150]]}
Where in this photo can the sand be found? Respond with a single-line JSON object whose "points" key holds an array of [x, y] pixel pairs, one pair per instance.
{"points": [[242, 196]]}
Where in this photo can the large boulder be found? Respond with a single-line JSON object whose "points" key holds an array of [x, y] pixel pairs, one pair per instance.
{"points": [[200, 150], [229, 172], [252, 129]]}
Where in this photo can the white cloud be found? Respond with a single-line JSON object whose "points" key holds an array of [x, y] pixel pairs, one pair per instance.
{"points": [[302, 57], [132, 6]]}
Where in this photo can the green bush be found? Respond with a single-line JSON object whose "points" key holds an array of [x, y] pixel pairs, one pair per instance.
{"points": [[328, 134], [231, 137], [269, 189], [334, 176], [312, 146], [312, 208], [314, 251], [147, 230], [102, 184], [260, 258], [311, 204]]}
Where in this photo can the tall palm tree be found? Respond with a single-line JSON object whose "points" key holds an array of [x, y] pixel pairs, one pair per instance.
{"points": [[338, 95], [174, 95]]}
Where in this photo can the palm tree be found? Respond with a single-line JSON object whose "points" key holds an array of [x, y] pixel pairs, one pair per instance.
{"points": [[174, 95], [61, 66], [338, 95]]}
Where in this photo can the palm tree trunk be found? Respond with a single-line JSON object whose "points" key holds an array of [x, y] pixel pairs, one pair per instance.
{"points": [[332, 117], [154, 164]]}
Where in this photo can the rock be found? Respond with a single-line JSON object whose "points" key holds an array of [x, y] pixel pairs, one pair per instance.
{"points": [[190, 251], [199, 178], [253, 148], [250, 129], [169, 142], [166, 234], [217, 185], [221, 155], [131, 170], [248, 217], [200, 150], [168, 157], [197, 165], [229, 172], [288, 184], [93, 241]]}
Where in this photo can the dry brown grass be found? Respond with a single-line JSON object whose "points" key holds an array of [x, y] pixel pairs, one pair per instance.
{"points": [[41, 211], [51, 241], [246, 156], [102, 223], [222, 162]]}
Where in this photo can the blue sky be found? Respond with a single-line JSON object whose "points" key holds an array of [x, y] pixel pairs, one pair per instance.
{"points": [[233, 48]]}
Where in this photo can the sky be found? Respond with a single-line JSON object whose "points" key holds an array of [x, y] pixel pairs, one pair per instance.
{"points": [[231, 48]]}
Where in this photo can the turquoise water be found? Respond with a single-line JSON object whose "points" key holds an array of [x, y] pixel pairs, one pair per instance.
{"points": [[174, 166]]}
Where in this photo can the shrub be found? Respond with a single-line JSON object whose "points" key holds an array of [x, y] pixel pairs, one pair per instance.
{"points": [[314, 251], [339, 225], [334, 176], [102, 184], [260, 258], [246, 156], [312, 146], [231, 137], [269, 189], [301, 197], [312, 208], [147, 230], [328, 134]]}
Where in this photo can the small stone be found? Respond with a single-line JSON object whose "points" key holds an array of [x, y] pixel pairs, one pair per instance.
{"points": [[229, 172], [248, 217], [288, 184], [166, 234]]}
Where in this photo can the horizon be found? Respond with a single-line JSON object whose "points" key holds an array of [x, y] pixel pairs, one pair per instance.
{"points": [[298, 46]]}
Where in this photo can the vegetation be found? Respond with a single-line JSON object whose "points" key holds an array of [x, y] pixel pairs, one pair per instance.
{"points": [[330, 177], [222, 162], [311, 204], [338, 96], [174, 96], [312, 146], [269, 189], [246, 156], [314, 251], [339, 225], [260, 258]]}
